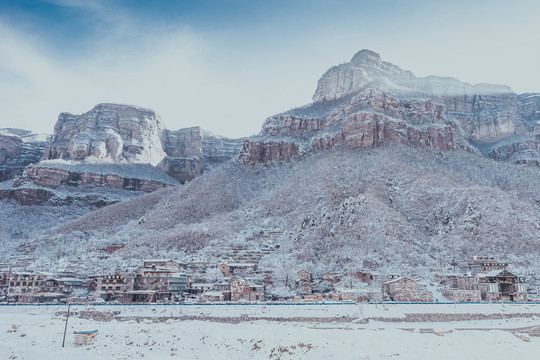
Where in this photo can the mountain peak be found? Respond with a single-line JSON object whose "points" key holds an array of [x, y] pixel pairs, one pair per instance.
{"points": [[365, 56], [366, 69]]}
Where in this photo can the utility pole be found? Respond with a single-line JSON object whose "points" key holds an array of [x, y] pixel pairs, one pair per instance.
{"points": [[65, 328]]}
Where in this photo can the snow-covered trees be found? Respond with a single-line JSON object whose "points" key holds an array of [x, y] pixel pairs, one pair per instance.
{"points": [[408, 210]]}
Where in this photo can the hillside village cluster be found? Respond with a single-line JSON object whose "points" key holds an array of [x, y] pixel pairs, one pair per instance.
{"points": [[166, 280]]}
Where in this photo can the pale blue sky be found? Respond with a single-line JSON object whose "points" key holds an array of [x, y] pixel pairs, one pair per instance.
{"points": [[227, 65]]}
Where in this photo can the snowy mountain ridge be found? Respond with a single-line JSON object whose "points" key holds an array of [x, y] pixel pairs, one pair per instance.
{"points": [[114, 146], [368, 102], [386, 181], [367, 70]]}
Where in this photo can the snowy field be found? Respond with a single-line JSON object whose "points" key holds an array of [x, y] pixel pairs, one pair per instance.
{"points": [[352, 331]]}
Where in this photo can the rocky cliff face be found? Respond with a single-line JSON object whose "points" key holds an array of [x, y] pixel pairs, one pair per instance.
{"points": [[18, 148], [191, 151], [111, 146], [367, 68], [136, 177], [183, 149], [368, 102], [124, 134], [111, 132]]}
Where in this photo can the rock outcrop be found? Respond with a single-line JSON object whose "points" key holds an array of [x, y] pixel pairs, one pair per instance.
{"points": [[27, 195], [367, 68], [135, 177], [18, 148], [110, 132], [125, 134], [368, 102], [191, 151], [9, 145], [111, 146]]}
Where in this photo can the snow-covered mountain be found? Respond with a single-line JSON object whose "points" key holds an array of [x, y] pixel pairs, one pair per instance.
{"points": [[396, 208], [126, 134], [111, 146], [367, 102], [383, 171]]}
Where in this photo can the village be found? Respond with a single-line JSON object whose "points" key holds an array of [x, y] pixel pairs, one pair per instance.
{"points": [[480, 279]]}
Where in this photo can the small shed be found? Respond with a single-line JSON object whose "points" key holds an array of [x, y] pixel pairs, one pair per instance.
{"points": [[83, 338]]}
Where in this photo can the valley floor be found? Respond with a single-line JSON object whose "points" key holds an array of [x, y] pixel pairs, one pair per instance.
{"points": [[348, 331]]}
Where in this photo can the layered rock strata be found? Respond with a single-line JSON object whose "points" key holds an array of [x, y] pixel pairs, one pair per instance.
{"points": [[111, 146], [125, 134], [368, 102], [53, 177], [18, 148], [112, 132], [191, 151]]}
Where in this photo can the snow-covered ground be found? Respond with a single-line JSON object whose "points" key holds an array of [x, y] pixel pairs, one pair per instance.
{"points": [[463, 331]]}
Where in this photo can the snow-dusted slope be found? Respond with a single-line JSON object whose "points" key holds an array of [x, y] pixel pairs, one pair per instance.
{"points": [[396, 208]]}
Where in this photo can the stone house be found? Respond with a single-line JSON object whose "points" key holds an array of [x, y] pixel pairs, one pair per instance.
{"points": [[156, 284], [223, 286], [502, 285], [71, 284], [112, 284], [199, 288], [468, 282], [22, 286], [213, 296], [363, 276], [164, 263], [224, 289], [404, 289], [304, 276], [338, 286], [112, 248], [448, 281], [244, 290], [347, 295], [4, 275], [495, 285], [481, 265], [310, 298], [305, 288], [331, 278]]}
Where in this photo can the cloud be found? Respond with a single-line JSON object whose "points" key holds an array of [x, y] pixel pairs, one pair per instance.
{"points": [[179, 74], [145, 72], [79, 4]]}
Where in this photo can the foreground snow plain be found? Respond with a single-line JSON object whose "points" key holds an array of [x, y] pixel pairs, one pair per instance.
{"points": [[348, 331]]}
